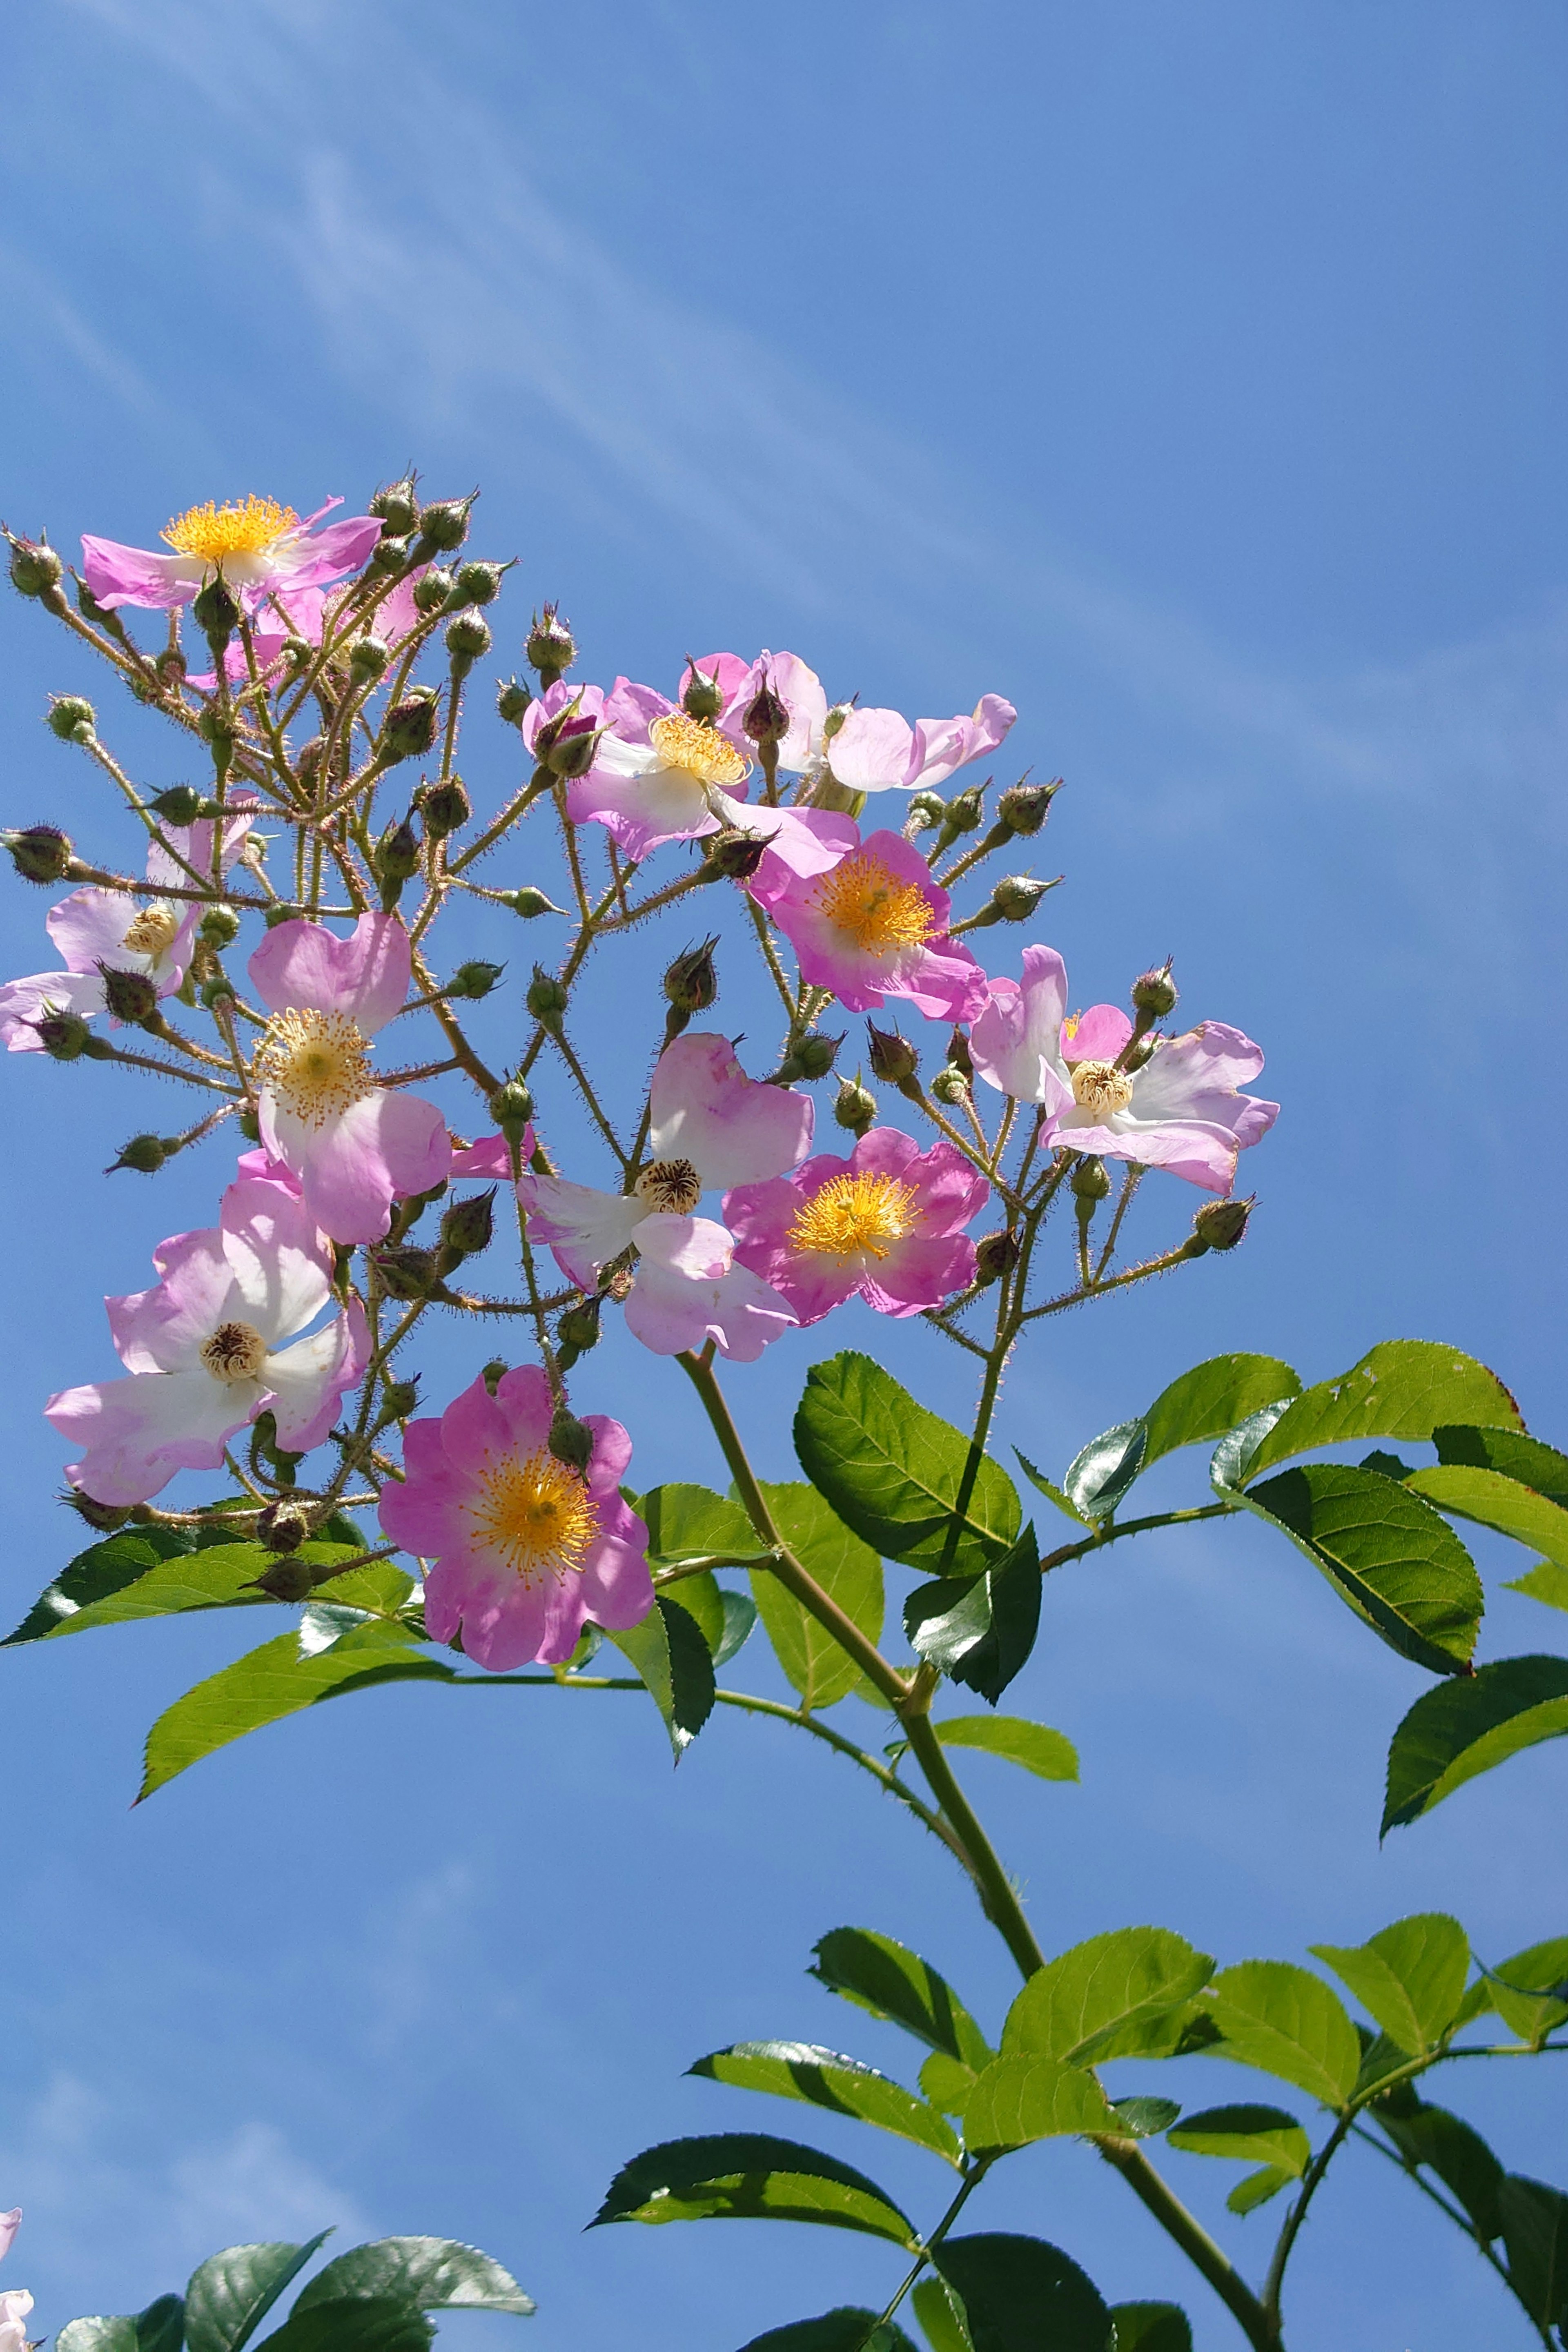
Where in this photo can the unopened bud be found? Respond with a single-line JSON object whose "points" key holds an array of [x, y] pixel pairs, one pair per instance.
{"points": [[105, 1517], [964, 810], [180, 804], [1156, 993], [471, 980], [1016, 896], [893, 1059], [40, 853], [1219, 1225], [215, 608], [405, 1272], [445, 807], [835, 720], [129, 995], [467, 637], [958, 1053], [995, 1256], [549, 649], [280, 911], [512, 701], [171, 665], [399, 1399], [468, 1226], [1089, 1181], [765, 718], [812, 1056], [308, 758], [547, 1000], [732, 854], [445, 523], [692, 983], [566, 745], [396, 857], [398, 505], [297, 652], [925, 809], [64, 1036], [144, 1153], [368, 657], [217, 990], [854, 1107], [579, 1326], [477, 583], [218, 727], [390, 553], [219, 926], [35, 567], [409, 728], [703, 697], [433, 589], [283, 1528], [72, 717], [1024, 808], [529, 902], [494, 1372], [512, 1107], [249, 1124], [950, 1085], [569, 1442]]}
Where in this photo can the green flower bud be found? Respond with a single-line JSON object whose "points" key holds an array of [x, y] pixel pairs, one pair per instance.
{"points": [[249, 1124], [398, 505], [529, 902], [473, 981], [409, 728], [546, 1000], [216, 609], [467, 637], [405, 1272], [368, 657], [566, 744], [285, 1579], [732, 854], [512, 701], [704, 697], [1156, 993], [925, 809], [399, 1399], [129, 995], [1090, 1181], [578, 1328], [180, 804], [494, 1372], [219, 926], [1024, 808], [298, 652], [950, 1085], [390, 553], [40, 853], [569, 1442], [218, 725], [64, 1036], [35, 569], [1219, 1225], [103, 1516], [280, 911], [145, 1153], [692, 983], [766, 718], [995, 1256], [468, 1226], [893, 1059], [1016, 896], [964, 810], [445, 524], [444, 807], [479, 584], [813, 1058], [512, 1107], [171, 665], [217, 990], [550, 648], [398, 853], [433, 589], [72, 717], [854, 1107], [308, 758]]}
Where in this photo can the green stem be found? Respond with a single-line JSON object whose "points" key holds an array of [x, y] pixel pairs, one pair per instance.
{"points": [[1194, 2241], [1098, 1541], [1461, 2221], [1274, 2283]]}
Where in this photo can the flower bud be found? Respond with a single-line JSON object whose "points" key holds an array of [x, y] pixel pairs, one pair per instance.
{"points": [[958, 1053], [298, 653], [390, 553], [813, 1058], [579, 1326], [171, 665], [512, 701], [308, 758], [285, 1579], [249, 1124], [1219, 1225], [219, 926], [494, 1372], [396, 855], [467, 637], [547, 999], [40, 853], [65, 1036], [280, 911], [145, 1153], [692, 983], [1024, 808], [105, 1517], [368, 657], [283, 1528], [471, 980], [399, 1399], [550, 648], [732, 854], [835, 720], [512, 1107], [444, 807], [1156, 993], [180, 804], [217, 990], [893, 1059], [964, 810], [566, 744], [215, 608], [468, 1226], [477, 583], [405, 1272], [432, 590], [704, 697], [569, 1442], [765, 718], [129, 995], [398, 505], [995, 1256], [409, 728], [445, 523], [72, 717], [1089, 1181], [217, 726], [925, 810], [529, 902], [35, 567], [950, 1085], [1016, 896], [854, 1107]]}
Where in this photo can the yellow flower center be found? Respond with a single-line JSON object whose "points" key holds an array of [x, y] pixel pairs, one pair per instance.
{"points": [[244, 527], [315, 1063], [702, 751], [152, 930], [670, 1185], [1101, 1088], [537, 1515], [235, 1351], [853, 1217], [880, 911]]}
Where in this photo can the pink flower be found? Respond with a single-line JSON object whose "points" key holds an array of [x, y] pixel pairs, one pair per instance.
{"points": [[356, 1145], [873, 927], [93, 929], [213, 1345], [886, 1222], [17, 2302], [523, 1549], [870, 751], [1181, 1111], [259, 545], [491, 1156], [689, 1289]]}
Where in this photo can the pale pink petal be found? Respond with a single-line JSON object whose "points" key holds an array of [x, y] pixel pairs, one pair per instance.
{"points": [[941, 745], [812, 841], [302, 964], [523, 1401], [490, 1155], [589, 701], [689, 1289], [871, 752], [1096, 1036], [120, 575], [630, 710], [801, 692], [89, 927], [8, 2227], [733, 1129], [308, 559], [585, 1228], [305, 1384], [385, 1146], [475, 1427], [1015, 1043], [135, 1433], [25, 1002], [615, 1586], [282, 1269], [163, 1330], [642, 803]]}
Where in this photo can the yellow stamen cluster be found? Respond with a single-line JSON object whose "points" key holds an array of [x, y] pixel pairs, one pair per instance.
{"points": [[1101, 1088], [235, 1351], [875, 907], [153, 930], [315, 1063], [672, 1186], [702, 751], [244, 527], [854, 1216], [537, 1515]]}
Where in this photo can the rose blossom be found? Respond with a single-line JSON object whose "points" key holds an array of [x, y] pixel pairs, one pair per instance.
{"points": [[1180, 1110], [869, 750], [356, 1145], [886, 1222], [873, 927], [523, 1548], [209, 1348], [259, 545]]}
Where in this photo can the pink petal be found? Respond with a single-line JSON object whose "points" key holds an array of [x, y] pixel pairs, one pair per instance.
{"points": [[136, 576], [308, 559], [25, 1002], [523, 1401], [305, 1384], [733, 1129], [1096, 1036], [302, 965], [630, 710], [490, 1155], [163, 1330], [137, 1433], [871, 752]]}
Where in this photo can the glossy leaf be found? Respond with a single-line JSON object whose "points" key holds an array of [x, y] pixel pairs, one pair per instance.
{"points": [[825, 2078], [1455, 2151], [750, 2176], [1051, 1491], [1258, 2188], [430, 2273], [1212, 1398], [892, 1471], [687, 1522], [1546, 1581], [1410, 1977], [231, 2291], [981, 1633], [1248, 2135], [847, 1569], [1461, 1729], [1143, 2118], [1289, 2022], [1049, 1755], [703, 1603], [93, 1575], [1530, 1991], [941, 2315], [1020, 2295], [1022, 2098], [674, 1661], [740, 1617], [384, 2326], [847, 2329], [273, 1682], [1535, 2238], [99, 2335], [1403, 1388], [1150, 2328], [1097, 1477], [1393, 1558], [1509, 1452], [1493, 1501], [221, 1577], [895, 1983], [1097, 2001]]}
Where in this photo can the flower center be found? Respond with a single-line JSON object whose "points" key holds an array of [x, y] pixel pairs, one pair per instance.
{"points": [[536, 1515], [702, 751], [855, 1215], [671, 1185], [1101, 1088], [879, 911], [153, 930], [315, 1063], [244, 527], [235, 1351]]}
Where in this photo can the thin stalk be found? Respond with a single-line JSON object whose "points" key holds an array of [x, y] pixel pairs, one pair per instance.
{"points": [[1274, 2283], [1461, 2221]]}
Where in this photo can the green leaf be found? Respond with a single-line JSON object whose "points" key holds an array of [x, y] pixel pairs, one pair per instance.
{"points": [[847, 2329], [1097, 1477], [703, 1603], [739, 1616], [669, 1653], [1258, 2188], [825, 2078], [162, 2327], [1512, 1453], [104, 1569], [1287, 2021], [1144, 2118], [430, 2273], [272, 1682], [1150, 2328], [947, 2082], [690, 1522], [1402, 1387], [1463, 1728], [1248, 2135], [100, 2335], [1098, 2000], [231, 2291], [1493, 1501], [1535, 2238], [1410, 1977], [381, 2326], [895, 1983], [848, 1571], [750, 2176], [1530, 1991], [1049, 1755], [1020, 2295], [1390, 1555], [1212, 1398], [980, 1632], [941, 2316], [223, 1576], [1546, 1581], [891, 1471], [1051, 1491], [1022, 2098], [1455, 2152]]}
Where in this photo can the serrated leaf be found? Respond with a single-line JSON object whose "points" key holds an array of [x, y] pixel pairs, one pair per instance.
{"points": [[941, 2315], [1051, 1491], [892, 1471], [222, 1575], [685, 1522], [231, 2291], [847, 1569], [384, 2326], [1231, 1461], [848, 2329], [1258, 2188], [1492, 1500], [1455, 2151], [825, 2078], [1461, 1729], [1410, 1977], [668, 1652], [273, 1682], [1247, 2135], [93, 1575], [1099, 1477], [1510, 1452], [1144, 2117], [1020, 2295], [703, 1603], [750, 2176], [1546, 1581], [1530, 1991], [1402, 1387], [895, 1983], [981, 1633], [1022, 2098], [1049, 1755], [1289, 2022], [1212, 1398], [430, 2273], [1535, 2238], [1094, 2001], [1150, 2328], [1390, 1555]]}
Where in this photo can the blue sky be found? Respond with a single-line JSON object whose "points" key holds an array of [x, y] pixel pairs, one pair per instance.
{"points": [[1195, 379]]}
